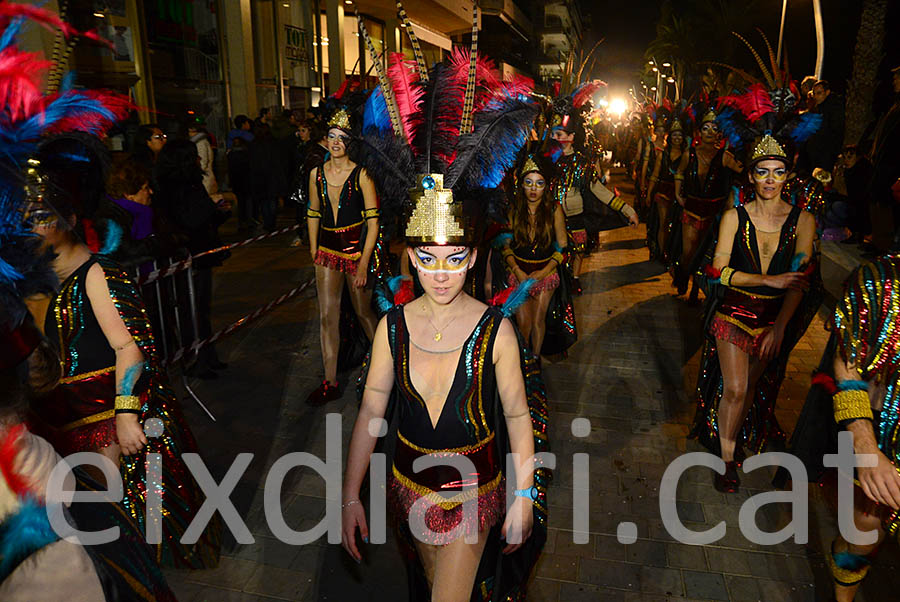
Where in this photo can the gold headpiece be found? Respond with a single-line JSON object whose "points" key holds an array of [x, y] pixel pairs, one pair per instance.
{"points": [[435, 218], [676, 126], [556, 121], [340, 120], [767, 147], [35, 182], [529, 166], [710, 115]]}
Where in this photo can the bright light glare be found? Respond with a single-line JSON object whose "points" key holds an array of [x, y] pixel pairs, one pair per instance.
{"points": [[603, 102], [617, 106]]}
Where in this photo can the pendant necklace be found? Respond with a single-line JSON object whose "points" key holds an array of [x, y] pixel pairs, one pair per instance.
{"points": [[437, 333]]}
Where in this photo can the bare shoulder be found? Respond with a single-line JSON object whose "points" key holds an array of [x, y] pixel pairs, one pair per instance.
{"points": [[806, 220]]}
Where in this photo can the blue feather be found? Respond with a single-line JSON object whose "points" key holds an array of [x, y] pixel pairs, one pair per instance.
{"points": [[797, 262], [395, 283], [381, 300], [113, 238], [375, 115], [9, 34], [736, 195], [518, 297], [8, 273], [853, 385], [851, 562], [501, 240], [808, 125], [68, 82], [24, 533], [726, 122], [556, 247]]}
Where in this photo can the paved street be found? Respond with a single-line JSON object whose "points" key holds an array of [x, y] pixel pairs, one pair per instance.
{"points": [[631, 374]]}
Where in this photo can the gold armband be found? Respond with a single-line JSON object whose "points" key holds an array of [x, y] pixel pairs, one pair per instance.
{"points": [[128, 403], [616, 204], [851, 405], [506, 252], [678, 176], [726, 276], [371, 213], [557, 257], [314, 213]]}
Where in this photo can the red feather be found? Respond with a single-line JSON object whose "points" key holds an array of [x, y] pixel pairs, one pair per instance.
{"points": [[408, 92], [712, 272], [405, 293], [555, 88], [9, 449], [20, 81], [501, 297], [586, 91], [825, 381], [753, 104], [517, 85], [49, 19], [117, 104], [349, 85], [90, 236]]}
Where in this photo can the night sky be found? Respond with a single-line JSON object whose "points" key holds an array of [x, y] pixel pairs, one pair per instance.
{"points": [[630, 25]]}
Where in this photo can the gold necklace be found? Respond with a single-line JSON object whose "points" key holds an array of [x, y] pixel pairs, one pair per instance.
{"points": [[437, 332]]}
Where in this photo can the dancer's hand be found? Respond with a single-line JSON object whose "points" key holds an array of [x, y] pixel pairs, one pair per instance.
{"points": [[518, 523], [789, 280], [881, 482], [361, 275], [353, 516], [520, 275], [130, 434], [771, 343]]}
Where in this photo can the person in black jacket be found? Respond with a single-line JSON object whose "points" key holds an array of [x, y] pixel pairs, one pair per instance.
{"points": [[267, 175], [190, 208]]}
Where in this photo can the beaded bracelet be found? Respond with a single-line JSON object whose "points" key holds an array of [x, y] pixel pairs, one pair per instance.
{"points": [[851, 401]]}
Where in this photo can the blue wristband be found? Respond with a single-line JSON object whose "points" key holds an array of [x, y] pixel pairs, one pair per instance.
{"points": [[530, 493]]}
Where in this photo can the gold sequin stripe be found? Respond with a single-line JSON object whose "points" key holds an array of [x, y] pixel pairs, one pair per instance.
{"points": [[851, 405], [742, 326], [523, 260], [726, 275], [444, 502], [616, 203], [344, 228], [466, 449], [755, 295], [79, 377], [371, 213], [845, 577], [313, 213], [89, 420], [350, 256]]}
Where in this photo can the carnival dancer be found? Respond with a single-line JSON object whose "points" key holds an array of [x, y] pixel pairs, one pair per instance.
{"points": [[343, 231], [112, 384], [577, 180], [447, 368], [534, 250], [856, 389], [701, 188], [669, 161], [764, 264]]}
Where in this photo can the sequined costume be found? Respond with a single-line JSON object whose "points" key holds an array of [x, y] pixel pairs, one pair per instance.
{"points": [[80, 414], [704, 199], [664, 195], [341, 240], [741, 315], [585, 214], [471, 424]]}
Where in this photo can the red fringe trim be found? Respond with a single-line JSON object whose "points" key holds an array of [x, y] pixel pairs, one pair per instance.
{"points": [[87, 438], [90, 235], [747, 343], [442, 523], [547, 283], [334, 262]]}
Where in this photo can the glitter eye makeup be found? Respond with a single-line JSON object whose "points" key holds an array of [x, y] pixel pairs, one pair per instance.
{"points": [[534, 183], [761, 175], [452, 265]]}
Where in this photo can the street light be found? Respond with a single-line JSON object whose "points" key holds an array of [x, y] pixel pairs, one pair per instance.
{"points": [[667, 65]]}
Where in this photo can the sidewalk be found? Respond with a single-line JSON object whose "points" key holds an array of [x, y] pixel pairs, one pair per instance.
{"points": [[631, 374]]}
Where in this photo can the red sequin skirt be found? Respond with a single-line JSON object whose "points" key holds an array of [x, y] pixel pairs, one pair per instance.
{"points": [[436, 501], [743, 318], [665, 193], [340, 248], [699, 211], [80, 414]]}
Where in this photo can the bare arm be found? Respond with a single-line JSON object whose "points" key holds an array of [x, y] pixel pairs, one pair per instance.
{"points": [[315, 209], [806, 230], [727, 228], [679, 175], [654, 177], [129, 358]]}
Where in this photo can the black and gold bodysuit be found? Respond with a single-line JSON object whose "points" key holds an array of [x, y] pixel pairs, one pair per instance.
{"points": [[465, 427], [340, 242], [705, 199]]}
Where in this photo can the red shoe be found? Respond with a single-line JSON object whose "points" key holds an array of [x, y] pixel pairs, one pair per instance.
{"points": [[325, 393], [576, 286], [728, 482]]}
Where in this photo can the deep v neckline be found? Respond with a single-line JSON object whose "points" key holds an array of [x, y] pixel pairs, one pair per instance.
{"points": [[755, 241], [336, 213], [462, 350]]}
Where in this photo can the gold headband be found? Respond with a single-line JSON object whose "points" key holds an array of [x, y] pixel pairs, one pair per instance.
{"points": [[35, 182], [556, 121], [676, 126], [710, 115], [767, 147], [435, 218], [340, 120]]}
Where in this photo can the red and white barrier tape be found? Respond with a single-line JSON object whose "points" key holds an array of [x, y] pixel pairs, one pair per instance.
{"points": [[183, 265], [240, 323]]}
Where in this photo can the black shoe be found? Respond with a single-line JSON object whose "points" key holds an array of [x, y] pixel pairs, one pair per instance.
{"points": [[728, 482], [325, 393]]}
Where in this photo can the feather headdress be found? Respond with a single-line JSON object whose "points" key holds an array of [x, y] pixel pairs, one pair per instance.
{"points": [[27, 117], [454, 134]]}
